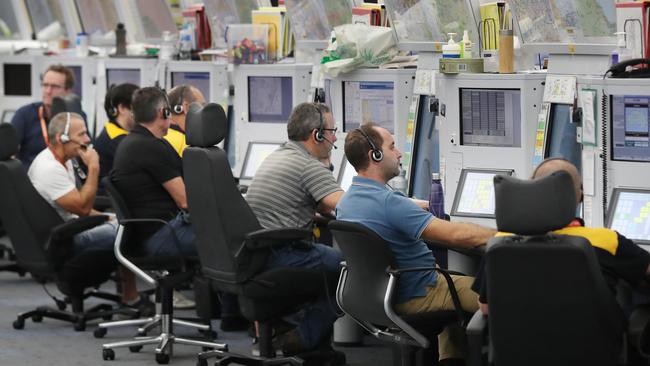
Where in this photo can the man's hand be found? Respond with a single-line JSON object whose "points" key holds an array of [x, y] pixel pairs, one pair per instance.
{"points": [[90, 157]]}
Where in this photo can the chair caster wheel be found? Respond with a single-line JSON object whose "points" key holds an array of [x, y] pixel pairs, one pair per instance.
{"points": [[135, 349], [100, 332], [108, 354], [80, 325], [162, 358], [19, 324], [37, 318]]}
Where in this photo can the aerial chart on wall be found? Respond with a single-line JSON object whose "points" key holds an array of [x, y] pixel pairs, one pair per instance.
{"points": [[412, 19]]}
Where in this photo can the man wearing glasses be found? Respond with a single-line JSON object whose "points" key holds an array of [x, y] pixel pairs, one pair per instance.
{"points": [[289, 188], [31, 120]]}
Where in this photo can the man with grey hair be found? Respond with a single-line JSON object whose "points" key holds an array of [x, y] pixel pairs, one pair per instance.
{"points": [[53, 177], [291, 185]]}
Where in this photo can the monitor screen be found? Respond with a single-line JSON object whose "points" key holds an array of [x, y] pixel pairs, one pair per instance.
{"points": [[255, 155], [561, 136], [121, 76], [630, 124], [270, 98], [475, 193], [346, 174], [17, 79], [368, 101], [78, 81], [490, 117], [629, 214], [198, 79]]}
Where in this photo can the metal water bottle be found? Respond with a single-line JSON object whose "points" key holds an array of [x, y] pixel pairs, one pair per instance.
{"points": [[436, 197]]}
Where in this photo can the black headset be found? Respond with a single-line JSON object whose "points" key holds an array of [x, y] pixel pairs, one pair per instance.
{"points": [[112, 109], [166, 111], [319, 135], [65, 136], [377, 155], [178, 107]]}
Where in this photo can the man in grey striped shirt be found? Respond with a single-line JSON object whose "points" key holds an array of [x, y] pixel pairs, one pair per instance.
{"points": [[289, 188]]}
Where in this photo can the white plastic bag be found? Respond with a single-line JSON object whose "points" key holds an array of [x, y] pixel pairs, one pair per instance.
{"points": [[360, 45]]}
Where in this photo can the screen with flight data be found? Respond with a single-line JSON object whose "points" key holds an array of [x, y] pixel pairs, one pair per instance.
{"points": [[629, 214], [475, 193], [255, 155]]}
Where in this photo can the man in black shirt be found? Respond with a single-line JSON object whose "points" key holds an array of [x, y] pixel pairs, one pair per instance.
{"points": [[148, 173]]}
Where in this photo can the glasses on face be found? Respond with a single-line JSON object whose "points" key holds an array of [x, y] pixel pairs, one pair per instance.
{"points": [[332, 130], [52, 86]]}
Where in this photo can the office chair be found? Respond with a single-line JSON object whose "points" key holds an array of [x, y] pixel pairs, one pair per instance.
{"points": [[548, 301], [43, 242], [8, 253], [366, 290], [233, 247], [164, 274]]}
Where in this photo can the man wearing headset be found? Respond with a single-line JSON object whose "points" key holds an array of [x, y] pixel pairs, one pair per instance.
{"points": [[180, 98], [31, 120], [117, 105], [405, 224], [291, 185], [53, 177]]}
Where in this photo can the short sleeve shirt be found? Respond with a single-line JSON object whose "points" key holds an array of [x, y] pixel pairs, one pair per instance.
{"points": [[287, 187], [53, 180], [142, 164], [399, 221]]}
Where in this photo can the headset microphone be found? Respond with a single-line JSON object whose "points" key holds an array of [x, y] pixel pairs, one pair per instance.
{"points": [[330, 141]]}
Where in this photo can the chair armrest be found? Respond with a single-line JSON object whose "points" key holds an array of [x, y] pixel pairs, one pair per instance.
{"points": [[266, 238], [476, 332], [73, 227], [475, 252]]}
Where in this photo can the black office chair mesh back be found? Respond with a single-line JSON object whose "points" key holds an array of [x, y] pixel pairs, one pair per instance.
{"points": [[219, 241], [549, 303], [367, 258], [20, 200]]}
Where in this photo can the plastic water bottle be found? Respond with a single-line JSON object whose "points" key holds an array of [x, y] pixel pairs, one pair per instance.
{"points": [[185, 48], [399, 182], [437, 197]]}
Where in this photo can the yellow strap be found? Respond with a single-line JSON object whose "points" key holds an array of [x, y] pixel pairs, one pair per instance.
{"points": [[602, 238], [114, 130], [177, 140]]}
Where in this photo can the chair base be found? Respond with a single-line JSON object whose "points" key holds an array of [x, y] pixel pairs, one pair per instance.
{"points": [[145, 325], [164, 341], [226, 358], [79, 319]]}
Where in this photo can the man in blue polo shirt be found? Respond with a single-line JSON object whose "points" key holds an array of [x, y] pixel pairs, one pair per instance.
{"points": [[31, 120], [404, 223]]}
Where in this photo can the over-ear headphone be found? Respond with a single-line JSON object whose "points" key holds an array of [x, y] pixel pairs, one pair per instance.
{"points": [[376, 154], [112, 109], [178, 107], [166, 110], [319, 135], [65, 137]]}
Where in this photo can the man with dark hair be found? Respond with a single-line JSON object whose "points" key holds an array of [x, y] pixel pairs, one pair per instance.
{"points": [[618, 256], [117, 105], [289, 188], [405, 224], [31, 121], [180, 98]]}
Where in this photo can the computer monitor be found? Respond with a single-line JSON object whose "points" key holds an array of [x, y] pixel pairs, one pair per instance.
{"points": [[17, 79], [270, 99], [561, 136], [255, 155], [629, 214], [490, 117], [121, 76], [630, 125], [198, 79], [368, 101], [78, 81], [346, 173], [475, 193]]}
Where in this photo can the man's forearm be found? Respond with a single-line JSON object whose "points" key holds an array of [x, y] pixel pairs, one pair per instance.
{"points": [[89, 189]]}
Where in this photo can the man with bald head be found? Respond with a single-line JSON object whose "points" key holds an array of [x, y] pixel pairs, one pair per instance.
{"points": [[618, 256], [53, 177], [180, 98]]}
